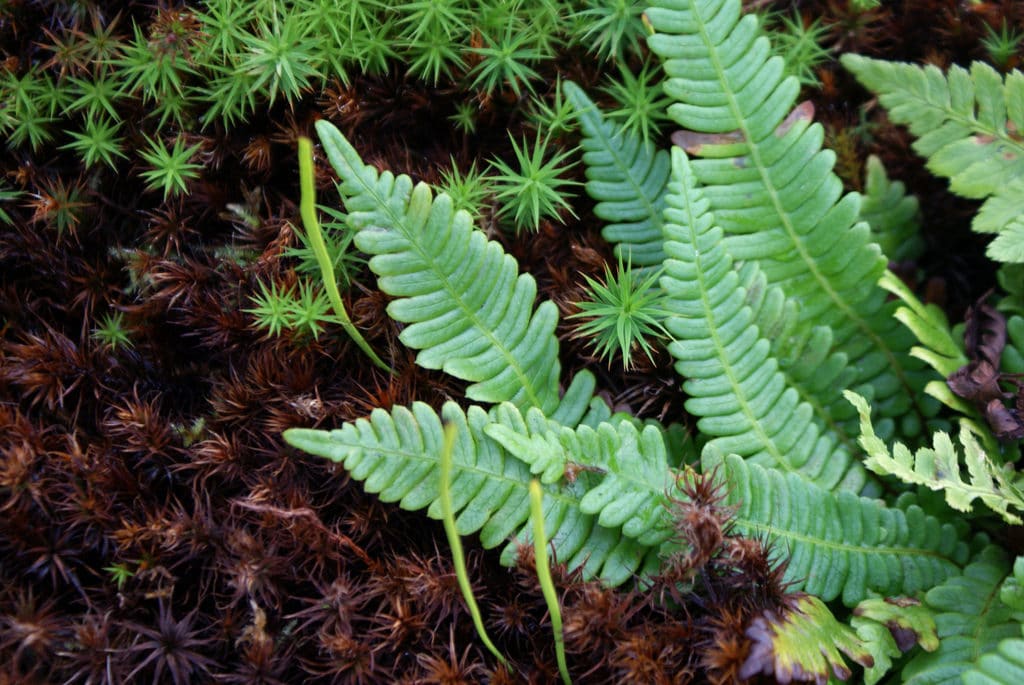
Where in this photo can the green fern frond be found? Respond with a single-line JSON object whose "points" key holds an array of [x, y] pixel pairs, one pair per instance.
{"points": [[734, 383], [627, 177], [938, 468], [635, 478], [879, 621], [972, 622], [772, 188], [839, 544], [467, 309], [967, 126], [397, 455], [893, 215]]}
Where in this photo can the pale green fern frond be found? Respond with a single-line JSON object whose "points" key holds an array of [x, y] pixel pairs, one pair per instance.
{"points": [[772, 188], [838, 544], [468, 311], [967, 125], [735, 386], [396, 454], [627, 177], [972, 622], [938, 468], [634, 479]]}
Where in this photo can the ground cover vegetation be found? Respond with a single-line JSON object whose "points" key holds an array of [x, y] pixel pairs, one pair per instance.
{"points": [[646, 342]]}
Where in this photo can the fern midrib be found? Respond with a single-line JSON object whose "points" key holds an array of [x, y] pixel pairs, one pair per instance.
{"points": [[512, 362], [973, 124], [786, 222]]}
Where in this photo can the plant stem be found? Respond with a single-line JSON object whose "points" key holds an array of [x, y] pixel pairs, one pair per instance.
{"points": [[547, 585], [307, 208]]}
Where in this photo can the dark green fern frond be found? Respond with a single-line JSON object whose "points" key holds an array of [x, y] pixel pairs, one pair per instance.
{"points": [[772, 188], [893, 215], [839, 544], [967, 126], [627, 178], [972, 621], [468, 310], [397, 455], [734, 383]]}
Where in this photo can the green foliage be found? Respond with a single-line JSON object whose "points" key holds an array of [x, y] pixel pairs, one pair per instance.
{"points": [[396, 455], [734, 382], [972, 622], [558, 116], [505, 61], [344, 261], [805, 642], [468, 191], [893, 215], [171, 169], [278, 310], [98, 143], [965, 123], [111, 332], [938, 468], [1001, 45], [624, 312], [534, 190], [6, 196], [642, 104], [798, 41], [614, 29], [878, 622], [315, 238], [839, 545], [772, 190], [627, 177], [455, 542], [431, 259]]}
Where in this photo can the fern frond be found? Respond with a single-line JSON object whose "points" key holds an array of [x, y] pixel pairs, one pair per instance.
{"points": [[734, 384], [971, 620], [966, 124], [626, 176], [397, 455], [635, 479], [893, 215], [938, 468], [468, 310], [772, 188], [839, 544]]}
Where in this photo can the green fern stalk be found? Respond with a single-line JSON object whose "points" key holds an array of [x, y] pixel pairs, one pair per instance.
{"points": [[307, 207], [455, 542], [547, 585]]}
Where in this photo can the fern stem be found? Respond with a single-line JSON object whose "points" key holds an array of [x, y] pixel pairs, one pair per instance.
{"points": [[307, 208], [547, 585], [458, 557]]}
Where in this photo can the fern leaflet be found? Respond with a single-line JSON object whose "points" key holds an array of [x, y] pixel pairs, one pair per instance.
{"points": [[468, 310]]}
